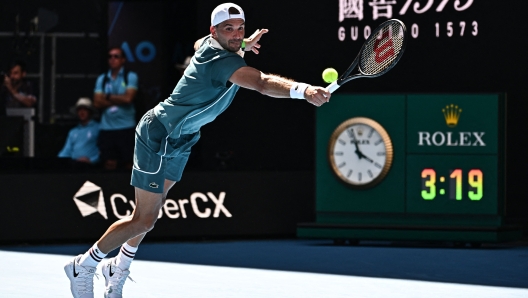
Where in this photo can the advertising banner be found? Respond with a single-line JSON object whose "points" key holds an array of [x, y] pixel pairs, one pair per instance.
{"points": [[70, 207]]}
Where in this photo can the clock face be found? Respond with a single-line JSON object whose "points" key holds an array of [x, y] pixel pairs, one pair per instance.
{"points": [[360, 152]]}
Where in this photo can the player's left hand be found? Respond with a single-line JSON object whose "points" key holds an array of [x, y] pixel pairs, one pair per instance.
{"points": [[252, 41], [317, 95]]}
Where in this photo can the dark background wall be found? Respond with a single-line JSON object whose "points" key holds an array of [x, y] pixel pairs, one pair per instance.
{"points": [[262, 133]]}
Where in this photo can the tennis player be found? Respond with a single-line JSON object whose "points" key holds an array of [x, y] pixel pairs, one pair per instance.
{"points": [[165, 135]]}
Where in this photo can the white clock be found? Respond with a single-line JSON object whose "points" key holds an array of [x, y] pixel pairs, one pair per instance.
{"points": [[360, 152]]}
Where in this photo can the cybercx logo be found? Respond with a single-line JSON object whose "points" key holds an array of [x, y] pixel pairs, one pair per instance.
{"points": [[89, 199]]}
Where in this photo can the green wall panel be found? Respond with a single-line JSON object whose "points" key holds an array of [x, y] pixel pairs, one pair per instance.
{"points": [[334, 195], [472, 128]]}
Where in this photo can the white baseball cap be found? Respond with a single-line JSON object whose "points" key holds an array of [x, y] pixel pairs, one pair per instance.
{"points": [[83, 102], [226, 11]]}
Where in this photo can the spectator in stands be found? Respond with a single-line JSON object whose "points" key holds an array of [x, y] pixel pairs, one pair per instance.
{"points": [[114, 94], [81, 145], [16, 91]]}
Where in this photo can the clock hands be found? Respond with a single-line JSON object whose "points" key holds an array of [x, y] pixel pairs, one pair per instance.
{"points": [[365, 157], [361, 155], [358, 152], [354, 140]]}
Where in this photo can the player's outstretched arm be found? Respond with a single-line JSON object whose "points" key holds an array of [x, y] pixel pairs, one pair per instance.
{"points": [[277, 86]]}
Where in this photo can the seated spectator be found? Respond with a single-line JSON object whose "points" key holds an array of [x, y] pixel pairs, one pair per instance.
{"points": [[16, 91], [81, 145]]}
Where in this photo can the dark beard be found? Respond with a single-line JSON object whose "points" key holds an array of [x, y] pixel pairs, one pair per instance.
{"points": [[226, 47]]}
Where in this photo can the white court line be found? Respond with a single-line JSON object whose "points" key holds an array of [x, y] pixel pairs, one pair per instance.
{"points": [[42, 275]]}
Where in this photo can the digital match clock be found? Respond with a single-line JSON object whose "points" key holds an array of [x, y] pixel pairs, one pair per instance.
{"points": [[431, 186], [452, 184]]}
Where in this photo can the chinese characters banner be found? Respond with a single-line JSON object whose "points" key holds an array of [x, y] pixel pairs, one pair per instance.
{"points": [[373, 10]]}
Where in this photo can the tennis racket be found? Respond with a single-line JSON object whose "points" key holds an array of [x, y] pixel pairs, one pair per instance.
{"points": [[379, 54]]}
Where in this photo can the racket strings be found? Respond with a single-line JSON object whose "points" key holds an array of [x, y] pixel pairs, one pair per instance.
{"points": [[382, 49]]}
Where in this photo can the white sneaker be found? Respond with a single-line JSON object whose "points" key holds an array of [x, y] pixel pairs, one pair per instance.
{"points": [[115, 278], [81, 278]]}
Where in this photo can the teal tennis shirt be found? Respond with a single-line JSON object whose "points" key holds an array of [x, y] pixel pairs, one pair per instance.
{"points": [[203, 92]]}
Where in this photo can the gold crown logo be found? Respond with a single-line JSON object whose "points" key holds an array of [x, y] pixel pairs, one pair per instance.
{"points": [[360, 131], [451, 115]]}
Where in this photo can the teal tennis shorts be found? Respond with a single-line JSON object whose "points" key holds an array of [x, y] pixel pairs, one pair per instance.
{"points": [[158, 157]]}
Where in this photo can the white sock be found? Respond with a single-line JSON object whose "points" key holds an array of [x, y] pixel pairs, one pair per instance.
{"points": [[92, 257], [125, 256]]}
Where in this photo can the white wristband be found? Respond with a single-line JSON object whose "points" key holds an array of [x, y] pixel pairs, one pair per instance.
{"points": [[297, 90]]}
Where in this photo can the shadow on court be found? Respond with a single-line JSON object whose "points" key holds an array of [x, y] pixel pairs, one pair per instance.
{"points": [[492, 265]]}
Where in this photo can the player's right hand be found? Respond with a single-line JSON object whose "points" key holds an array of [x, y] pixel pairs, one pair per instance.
{"points": [[317, 95]]}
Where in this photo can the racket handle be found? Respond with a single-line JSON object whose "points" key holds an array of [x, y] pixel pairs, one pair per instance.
{"points": [[333, 87]]}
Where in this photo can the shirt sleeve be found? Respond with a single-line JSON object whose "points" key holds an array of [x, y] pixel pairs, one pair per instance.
{"points": [[132, 80], [204, 41], [99, 84], [224, 68], [68, 146], [94, 158]]}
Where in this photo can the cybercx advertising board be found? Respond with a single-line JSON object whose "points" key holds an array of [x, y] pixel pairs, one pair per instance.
{"points": [[81, 206], [411, 167]]}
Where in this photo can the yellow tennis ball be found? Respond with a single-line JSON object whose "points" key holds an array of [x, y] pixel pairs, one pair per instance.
{"points": [[329, 75]]}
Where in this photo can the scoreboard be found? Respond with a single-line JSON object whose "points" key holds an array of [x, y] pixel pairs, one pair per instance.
{"points": [[411, 167], [455, 157]]}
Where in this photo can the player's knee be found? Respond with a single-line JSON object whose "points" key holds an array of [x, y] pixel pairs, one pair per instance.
{"points": [[149, 225], [146, 224]]}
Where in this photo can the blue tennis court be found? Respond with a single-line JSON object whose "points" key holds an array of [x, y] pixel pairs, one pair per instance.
{"points": [[283, 268]]}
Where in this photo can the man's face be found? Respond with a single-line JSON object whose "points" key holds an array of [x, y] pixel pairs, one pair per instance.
{"points": [[16, 74], [83, 114], [229, 34], [116, 60]]}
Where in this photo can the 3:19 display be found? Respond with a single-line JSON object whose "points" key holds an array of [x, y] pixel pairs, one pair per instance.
{"points": [[475, 180]]}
